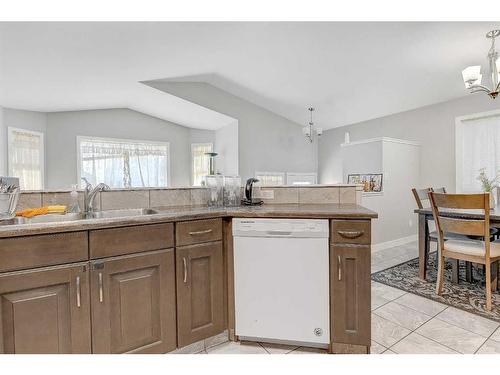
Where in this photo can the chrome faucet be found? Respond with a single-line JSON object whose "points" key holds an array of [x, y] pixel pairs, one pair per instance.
{"points": [[90, 193]]}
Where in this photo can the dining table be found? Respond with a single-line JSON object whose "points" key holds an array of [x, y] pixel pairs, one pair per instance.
{"points": [[425, 215]]}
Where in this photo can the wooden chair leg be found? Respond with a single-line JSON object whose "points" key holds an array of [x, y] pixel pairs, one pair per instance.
{"points": [[494, 276], [440, 275], [488, 286], [468, 272], [455, 270]]}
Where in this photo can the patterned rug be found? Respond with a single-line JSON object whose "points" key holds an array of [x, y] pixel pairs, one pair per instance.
{"points": [[466, 296]]}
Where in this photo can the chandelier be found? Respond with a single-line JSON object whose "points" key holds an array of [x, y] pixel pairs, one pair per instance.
{"points": [[472, 75], [309, 129]]}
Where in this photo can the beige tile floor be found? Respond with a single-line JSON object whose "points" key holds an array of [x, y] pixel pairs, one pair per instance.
{"points": [[403, 323]]}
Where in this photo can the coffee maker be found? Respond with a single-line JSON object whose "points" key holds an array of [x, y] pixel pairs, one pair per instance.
{"points": [[249, 199]]}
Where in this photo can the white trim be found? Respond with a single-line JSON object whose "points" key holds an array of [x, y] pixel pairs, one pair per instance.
{"points": [[10, 130], [192, 159], [393, 243], [459, 136], [381, 139], [80, 138]]}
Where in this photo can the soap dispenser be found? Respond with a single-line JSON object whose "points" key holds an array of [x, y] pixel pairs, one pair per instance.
{"points": [[75, 205]]}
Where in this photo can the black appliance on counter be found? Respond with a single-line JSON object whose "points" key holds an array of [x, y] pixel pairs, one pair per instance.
{"points": [[248, 200]]}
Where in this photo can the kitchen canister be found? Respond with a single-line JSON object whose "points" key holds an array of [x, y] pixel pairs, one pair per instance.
{"points": [[215, 185], [232, 191]]}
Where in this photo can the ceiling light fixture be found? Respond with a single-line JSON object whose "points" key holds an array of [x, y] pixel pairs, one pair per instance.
{"points": [[309, 129], [472, 75]]}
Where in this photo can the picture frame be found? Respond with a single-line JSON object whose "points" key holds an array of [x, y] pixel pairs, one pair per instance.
{"points": [[372, 182]]}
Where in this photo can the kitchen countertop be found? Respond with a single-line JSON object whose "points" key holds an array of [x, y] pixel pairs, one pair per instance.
{"points": [[309, 211]]}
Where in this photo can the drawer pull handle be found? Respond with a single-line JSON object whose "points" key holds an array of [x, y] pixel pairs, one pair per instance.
{"points": [[101, 292], [339, 265], [78, 292], [206, 231], [185, 270], [351, 234], [278, 233]]}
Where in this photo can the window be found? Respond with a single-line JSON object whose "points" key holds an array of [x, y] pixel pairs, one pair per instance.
{"points": [[270, 178], [123, 163], [477, 147], [301, 178], [200, 161], [26, 157]]}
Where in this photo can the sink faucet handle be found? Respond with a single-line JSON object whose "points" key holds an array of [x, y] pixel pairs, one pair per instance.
{"points": [[88, 185]]}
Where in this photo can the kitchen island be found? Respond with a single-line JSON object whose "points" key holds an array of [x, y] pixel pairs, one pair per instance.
{"points": [[159, 282]]}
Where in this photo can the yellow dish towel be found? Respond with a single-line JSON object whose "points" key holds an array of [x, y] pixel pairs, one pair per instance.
{"points": [[30, 212]]}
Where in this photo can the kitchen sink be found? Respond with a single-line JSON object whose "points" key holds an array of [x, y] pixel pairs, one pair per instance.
{"points": [[49, 218], [122, 213], [54, 218]]}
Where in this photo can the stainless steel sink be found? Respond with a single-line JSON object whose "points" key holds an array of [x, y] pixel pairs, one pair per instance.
{"points": [[122, 213], [55, 218], [50, 218]]}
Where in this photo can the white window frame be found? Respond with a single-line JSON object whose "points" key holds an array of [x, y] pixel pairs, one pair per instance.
{"points": [[290, 175], [10, 137], [80, 138], [459, 137], [282, 174], [192, 159]]}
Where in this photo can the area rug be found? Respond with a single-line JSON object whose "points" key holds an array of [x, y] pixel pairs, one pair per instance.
{"points": [[465, 296]]}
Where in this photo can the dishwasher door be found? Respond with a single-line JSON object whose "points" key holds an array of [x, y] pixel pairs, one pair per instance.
{"points": [[282, 281]]}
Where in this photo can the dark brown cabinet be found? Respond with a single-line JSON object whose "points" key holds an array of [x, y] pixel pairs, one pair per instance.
{"points": [[46, 310], [133, 303], [350, 291], [200, 305]]}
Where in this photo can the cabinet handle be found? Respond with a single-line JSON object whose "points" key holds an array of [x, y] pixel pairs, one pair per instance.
{"points": [[185, 270], [78, 292], [339, 265], [351, 234], [200, 232], [101, 293]]}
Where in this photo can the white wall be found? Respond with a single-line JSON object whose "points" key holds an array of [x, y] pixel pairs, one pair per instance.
{"points": [[64, 127], [226, 145], [267, 142], [432, 126]]}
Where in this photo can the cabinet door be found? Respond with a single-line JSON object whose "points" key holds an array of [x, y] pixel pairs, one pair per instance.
{"points": [[45, 311], [351, 299], [133, 303], [200, 310]]}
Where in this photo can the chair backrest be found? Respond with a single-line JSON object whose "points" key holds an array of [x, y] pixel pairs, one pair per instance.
{"points": [[421, 195], [468, 227], [439, 190]]}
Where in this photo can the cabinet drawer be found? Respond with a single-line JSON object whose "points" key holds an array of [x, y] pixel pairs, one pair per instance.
{"points": [[19, 253], [198, 231], [128, 240], [350, 231]]}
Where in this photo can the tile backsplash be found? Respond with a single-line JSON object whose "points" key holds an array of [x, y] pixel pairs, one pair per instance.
{"points": [[172, 197]]}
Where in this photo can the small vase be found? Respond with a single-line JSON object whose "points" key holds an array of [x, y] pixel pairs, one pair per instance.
{"points": [[492, 198]]}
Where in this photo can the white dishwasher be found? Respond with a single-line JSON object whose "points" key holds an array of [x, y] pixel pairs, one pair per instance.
{"points": [[281, 278]]}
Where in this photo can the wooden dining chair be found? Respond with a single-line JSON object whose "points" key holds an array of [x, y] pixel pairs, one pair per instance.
{"points": [[421, 197], [476, 251]]}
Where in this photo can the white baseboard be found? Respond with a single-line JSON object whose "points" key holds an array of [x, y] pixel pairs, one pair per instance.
{"points": [[396, 242]]}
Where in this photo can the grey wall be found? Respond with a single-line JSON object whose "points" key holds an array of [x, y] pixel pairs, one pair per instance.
{"points": [[3, 145], [433, 126], [226, 145], [267, 142], [64, 127]]}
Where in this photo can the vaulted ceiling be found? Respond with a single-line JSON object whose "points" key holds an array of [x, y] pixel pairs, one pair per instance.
{"points": [[350, 72]]}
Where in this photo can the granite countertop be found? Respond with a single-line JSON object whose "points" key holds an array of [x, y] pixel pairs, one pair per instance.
{"points": [[310, 211]]}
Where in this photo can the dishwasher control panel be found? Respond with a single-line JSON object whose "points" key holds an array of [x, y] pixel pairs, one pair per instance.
{"points": [[280, 227]]}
